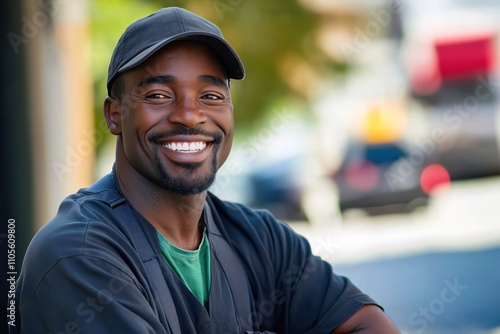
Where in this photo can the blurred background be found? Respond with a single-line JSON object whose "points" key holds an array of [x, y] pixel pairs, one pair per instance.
{"points": [[371, 127]]}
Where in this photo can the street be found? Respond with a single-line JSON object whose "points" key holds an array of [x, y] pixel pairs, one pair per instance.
{"points": [[435, 292], [434, 271]]}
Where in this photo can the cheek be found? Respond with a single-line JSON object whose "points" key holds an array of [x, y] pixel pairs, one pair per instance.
{"points": [[225, 148], [128, 132], [140, 121], [134, 129], [130, 144], [225, 122]]}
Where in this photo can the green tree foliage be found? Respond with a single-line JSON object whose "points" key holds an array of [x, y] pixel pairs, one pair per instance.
{"points": [[264, 33]]}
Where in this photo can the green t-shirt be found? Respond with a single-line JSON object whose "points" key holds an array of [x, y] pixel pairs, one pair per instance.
{"points": [[192, 266]]}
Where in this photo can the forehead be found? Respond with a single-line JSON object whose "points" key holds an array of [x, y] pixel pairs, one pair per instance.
{"points": [[180, 56]]}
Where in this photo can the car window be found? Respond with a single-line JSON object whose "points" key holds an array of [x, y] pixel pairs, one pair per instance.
{"points": [[383, 154]]}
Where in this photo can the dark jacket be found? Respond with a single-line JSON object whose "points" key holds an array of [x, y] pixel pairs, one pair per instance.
{"points": [[82, 274]]}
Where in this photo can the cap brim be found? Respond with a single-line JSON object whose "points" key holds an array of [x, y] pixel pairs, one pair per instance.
{"points": [[228, 56]]}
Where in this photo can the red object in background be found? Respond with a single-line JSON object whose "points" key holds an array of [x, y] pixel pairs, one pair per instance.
{"points": [[434, 176], [465, 57], [362, 175]]}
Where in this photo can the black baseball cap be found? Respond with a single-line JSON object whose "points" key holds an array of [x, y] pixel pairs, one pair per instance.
{"points": [[147, 35]]}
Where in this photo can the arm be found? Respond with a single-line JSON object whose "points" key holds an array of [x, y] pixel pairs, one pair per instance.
{"points": [[312, 298], [82, 294], [369, 319]]}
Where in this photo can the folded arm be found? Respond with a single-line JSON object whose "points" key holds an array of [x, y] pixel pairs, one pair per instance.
{"points": [[369, 319]]}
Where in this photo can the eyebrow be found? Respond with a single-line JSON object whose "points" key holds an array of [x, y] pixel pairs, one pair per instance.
{"points": [[160, 79], [214, 81]]}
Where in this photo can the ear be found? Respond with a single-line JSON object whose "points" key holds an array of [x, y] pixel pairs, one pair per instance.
{"points": [[112, 115]]}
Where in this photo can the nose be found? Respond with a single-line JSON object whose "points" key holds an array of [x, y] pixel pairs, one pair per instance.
{"points": [[187, 112]]}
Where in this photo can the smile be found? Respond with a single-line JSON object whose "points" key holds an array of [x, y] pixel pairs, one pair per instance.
{"points": [[186, 147]]}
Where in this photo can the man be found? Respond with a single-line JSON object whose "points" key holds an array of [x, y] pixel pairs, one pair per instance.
{"points": [[147, 249]]}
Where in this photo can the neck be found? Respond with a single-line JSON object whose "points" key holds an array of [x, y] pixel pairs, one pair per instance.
{"points": [[175, 216]]}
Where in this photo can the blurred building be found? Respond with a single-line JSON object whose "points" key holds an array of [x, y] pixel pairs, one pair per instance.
{"points": [[47, 117]]}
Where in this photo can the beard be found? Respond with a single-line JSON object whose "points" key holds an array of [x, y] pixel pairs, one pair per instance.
{"points": [[190, 182]]}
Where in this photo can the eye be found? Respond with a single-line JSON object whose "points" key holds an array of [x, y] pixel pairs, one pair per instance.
{"points": [[156, 96], [213, 97]]}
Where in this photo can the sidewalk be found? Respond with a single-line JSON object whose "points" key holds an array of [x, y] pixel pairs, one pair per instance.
{"points": [[465, 216]]}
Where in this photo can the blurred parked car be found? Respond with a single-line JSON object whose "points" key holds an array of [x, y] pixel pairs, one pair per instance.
{"points": [[278, 187], [452, 53], [381, 172], [381, 178]]}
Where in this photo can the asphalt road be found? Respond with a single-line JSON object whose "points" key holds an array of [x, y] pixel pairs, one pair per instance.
{"points": [[434, 271], [436, 292]]}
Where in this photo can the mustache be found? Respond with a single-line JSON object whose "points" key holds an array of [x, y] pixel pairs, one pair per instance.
{"points": [[154, 137]]}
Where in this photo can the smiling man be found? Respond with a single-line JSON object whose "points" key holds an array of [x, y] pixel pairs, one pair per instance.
{"points": [[147, 249]]}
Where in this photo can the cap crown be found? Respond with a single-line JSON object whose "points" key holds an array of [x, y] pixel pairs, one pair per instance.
{"points": [[147, 35]]}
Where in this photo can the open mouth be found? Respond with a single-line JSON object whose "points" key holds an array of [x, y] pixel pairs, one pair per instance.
{"points": [[189, 146], [186, 147], [186, 150]]}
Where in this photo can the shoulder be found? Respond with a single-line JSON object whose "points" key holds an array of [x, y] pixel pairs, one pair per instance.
{"points": [[83, 227], [78, 221], [279, 263], [235, 217], [257, 235]]}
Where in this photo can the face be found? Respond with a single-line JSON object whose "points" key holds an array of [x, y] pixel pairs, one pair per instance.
{"points": [[175, 118]]}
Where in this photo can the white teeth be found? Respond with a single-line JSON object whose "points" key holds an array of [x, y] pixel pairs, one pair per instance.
{"points": [[186, 147]]}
